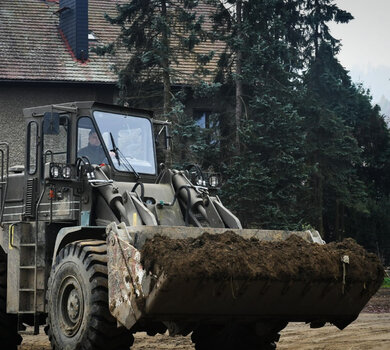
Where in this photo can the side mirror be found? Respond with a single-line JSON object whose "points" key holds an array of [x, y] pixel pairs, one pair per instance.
{"points": [[163, 138], [51, 123]]}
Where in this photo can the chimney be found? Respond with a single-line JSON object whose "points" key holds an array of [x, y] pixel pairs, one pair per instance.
{"points": [[74, 26]]}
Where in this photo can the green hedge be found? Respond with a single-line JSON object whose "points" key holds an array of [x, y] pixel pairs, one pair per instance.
{"points": [[386, 282]]}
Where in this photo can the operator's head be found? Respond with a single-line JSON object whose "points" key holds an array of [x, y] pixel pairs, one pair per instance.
{"points": [[93, 139]]}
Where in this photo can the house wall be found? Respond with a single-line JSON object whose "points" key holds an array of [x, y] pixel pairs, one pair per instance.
{"points": [[16, 96]]}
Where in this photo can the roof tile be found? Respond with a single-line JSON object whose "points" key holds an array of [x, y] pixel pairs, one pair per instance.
{"points": [[31, 46]]}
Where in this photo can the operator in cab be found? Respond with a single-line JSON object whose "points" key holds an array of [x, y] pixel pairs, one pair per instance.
{"points": [[94, 150]]}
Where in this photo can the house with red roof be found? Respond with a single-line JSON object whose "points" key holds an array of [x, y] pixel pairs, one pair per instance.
{"points": [[46, 58]]}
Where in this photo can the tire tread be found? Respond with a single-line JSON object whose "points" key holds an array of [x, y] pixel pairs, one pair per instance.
{"points": [[102, 331]]}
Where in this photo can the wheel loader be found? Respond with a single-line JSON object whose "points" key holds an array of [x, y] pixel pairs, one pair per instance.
{"points": [[99, 242]]}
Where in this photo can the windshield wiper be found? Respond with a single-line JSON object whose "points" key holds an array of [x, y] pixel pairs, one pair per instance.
{"points": [[115, 149], [119, 155]]}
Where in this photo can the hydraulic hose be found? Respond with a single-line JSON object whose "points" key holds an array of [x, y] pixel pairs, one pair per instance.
{"points": [[142, 189]]}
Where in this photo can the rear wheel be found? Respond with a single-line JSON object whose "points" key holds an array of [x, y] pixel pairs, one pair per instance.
{"points": [[9, 337], [78, 314], [232, 337]]}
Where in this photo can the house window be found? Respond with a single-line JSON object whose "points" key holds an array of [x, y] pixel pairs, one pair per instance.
{"points": [[202, 118], [209, 123]]}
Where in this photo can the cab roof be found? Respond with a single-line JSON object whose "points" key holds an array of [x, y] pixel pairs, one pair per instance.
{"points": [[80, 107]]}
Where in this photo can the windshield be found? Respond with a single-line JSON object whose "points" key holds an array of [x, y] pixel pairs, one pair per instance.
{"points": [[132, 136]]}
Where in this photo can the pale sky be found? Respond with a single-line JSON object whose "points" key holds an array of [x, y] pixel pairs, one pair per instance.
{"points": [[365, 48]]}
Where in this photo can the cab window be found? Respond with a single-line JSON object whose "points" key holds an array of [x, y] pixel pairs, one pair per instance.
{"points": [[56, 146], [132, 137], [88, 142], [32, 139]]}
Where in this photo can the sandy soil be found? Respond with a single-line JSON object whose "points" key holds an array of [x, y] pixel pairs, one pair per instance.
{"points": [[368, 332], [371, 331]]}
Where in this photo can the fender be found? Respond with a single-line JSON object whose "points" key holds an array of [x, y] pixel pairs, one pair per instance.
{"points": [[76, 233]]}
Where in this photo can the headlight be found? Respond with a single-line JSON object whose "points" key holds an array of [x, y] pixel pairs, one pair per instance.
{"points": [[66, 172], [200, 182], [213, 181], [55, 171]]}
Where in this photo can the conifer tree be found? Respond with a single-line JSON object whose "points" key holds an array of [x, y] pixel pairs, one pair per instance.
{"points": [[299, 142], [373, 136], [347, 141], [333, 152], [156, 35], [265, 178], [316, 16]]}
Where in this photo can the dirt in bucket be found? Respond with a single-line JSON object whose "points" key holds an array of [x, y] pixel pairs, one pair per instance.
{"points": [[228, 255]]}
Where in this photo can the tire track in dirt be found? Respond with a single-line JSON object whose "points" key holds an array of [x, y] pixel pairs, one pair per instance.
{"points": [[371, 331], [368, 332]]}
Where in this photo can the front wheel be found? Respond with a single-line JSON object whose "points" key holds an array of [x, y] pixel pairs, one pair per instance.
{"points": [[78, 314]]}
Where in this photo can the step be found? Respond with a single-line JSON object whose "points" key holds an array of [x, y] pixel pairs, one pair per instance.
{"points": [[30, 290], [31, 267]]}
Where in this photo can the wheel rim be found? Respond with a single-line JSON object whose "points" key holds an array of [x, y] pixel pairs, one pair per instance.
{"points": [[70, 309]]}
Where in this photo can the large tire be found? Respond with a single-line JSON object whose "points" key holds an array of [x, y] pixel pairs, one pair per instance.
{"points": [[78, 314], [9, 337], [232, 337]]}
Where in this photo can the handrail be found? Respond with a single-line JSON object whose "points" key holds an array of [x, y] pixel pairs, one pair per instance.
{"points": [[48, 153], [4, 164]]}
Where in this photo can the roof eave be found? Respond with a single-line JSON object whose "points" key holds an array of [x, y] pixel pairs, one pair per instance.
{"points": [[57, 81]]}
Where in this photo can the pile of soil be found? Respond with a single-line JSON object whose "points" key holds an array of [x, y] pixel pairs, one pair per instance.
{"points": [[228, 255]]}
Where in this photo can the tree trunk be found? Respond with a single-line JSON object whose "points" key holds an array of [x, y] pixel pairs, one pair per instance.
{"points": [[342, 222], [238, 112], [319, 203], [165, 64], [337, 220], [316, 34]]}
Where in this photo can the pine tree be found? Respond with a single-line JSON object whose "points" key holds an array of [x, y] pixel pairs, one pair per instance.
{"points": [[373, 136], [333, 153], [155, 36], [316, 16], [347, 141], [266, 177]]}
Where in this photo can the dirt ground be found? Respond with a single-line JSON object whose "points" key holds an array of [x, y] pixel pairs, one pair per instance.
{"points": [[371, 331]]}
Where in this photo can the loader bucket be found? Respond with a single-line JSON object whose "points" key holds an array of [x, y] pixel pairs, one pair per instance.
{"points": [[162, 273]]}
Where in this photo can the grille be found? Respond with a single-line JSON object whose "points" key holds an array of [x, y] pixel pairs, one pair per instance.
{"points": [[30, 198]]}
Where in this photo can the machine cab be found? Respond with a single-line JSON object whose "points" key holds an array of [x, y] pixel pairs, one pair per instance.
{"points": [[63, 138], [120, 137]]}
